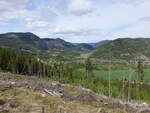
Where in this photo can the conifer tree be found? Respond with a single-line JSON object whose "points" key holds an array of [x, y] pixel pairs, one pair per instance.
{"points": [[140, 69], [88, 66]]}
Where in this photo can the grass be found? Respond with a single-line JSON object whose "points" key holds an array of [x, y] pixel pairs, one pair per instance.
{"points": [[120, 74], [23, 100], [99, 83]]}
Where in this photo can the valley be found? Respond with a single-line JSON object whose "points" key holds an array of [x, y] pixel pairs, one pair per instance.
{"points": [[111, 74], [74, 56]]}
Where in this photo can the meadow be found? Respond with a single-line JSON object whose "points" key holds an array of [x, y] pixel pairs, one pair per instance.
{"points": [[118, 71], [99, 82], [120, 74]]}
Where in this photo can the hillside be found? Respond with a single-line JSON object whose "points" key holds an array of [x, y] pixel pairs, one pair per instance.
{"points": [[123, 48], [30, 84], [44, 47], [102, 42], [23, 94], [57, 43], [84, 47], [22, 41]]}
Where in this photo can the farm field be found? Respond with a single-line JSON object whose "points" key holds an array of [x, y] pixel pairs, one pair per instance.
{"points": [[120, 74]]}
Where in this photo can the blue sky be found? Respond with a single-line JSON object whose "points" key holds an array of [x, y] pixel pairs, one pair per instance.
{"points": [[77, 20]]}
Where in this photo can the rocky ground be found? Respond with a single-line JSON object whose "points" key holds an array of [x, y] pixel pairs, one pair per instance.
{"points": [[23, 94]]}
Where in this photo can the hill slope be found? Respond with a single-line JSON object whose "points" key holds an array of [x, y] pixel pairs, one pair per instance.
{"points": [[57, 43], [22, 94], [22, 40], [125, 48], [46, 47]]}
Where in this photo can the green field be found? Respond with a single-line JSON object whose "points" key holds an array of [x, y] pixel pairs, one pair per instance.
{"points": [[120, 74]]}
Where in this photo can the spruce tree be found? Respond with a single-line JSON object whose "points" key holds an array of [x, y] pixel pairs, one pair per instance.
{"points": [[88, 66], [140, 69]]}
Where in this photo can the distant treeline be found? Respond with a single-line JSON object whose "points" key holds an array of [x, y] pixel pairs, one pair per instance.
{"points": [[18, 63]]}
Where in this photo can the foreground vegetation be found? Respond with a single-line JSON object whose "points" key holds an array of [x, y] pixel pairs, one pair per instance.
{"points": [[35, 100], [109, 83]]}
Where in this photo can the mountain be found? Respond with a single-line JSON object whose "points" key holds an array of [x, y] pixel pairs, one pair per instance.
{"points": [[102, 42], [84, 47], [57, 43], [123, 48], [22, 41], [45, 47]]}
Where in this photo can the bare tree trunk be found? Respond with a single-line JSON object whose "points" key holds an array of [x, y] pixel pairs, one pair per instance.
{"points": [[109, 85], [43, 110], [109, 79], [129, 85], [123, 87]]}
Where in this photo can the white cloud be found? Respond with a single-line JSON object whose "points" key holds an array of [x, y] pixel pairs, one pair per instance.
{"points": [[37, 24], [7, 5], [147, 18], [78, 20], [139, 30], [79, 7], [114, 21], [13, 9]]}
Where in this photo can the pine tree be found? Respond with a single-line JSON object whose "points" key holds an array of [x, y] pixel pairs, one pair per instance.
{"points": [[88, 66], [140, 69]]}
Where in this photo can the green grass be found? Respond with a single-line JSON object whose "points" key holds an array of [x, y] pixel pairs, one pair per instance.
{"points": [[120, 74]]}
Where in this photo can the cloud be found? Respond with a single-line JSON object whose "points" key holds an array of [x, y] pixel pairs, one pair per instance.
{"points": [[13, 9], [76, 32], [6, 5], [145, 19], [79, 7], [77, 20], [37, 24], [133, 2]]}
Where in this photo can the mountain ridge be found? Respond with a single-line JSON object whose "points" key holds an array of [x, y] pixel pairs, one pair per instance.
{"points": [[35, 45], [123, 48]]}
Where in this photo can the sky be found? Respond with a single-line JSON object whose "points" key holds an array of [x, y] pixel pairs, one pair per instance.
{"points": [[77, 20]]}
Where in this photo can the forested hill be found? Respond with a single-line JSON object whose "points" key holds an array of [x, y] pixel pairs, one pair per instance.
{"points": [[45, 47], [123, 48], [26, 41]]}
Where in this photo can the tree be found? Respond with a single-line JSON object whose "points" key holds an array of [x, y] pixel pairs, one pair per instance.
{"points": [[88, 66], [140, 69]]}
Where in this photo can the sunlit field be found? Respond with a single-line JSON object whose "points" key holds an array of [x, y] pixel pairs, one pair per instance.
{"points": [[120, 74]]}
